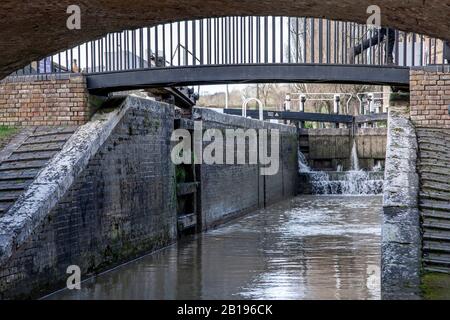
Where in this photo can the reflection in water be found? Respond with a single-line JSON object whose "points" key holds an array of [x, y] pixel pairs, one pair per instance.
{"points": [[310, 247]]}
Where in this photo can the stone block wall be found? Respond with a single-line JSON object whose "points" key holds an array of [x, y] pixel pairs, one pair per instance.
{"points": [[122, 205], [230, 190], [430, 96], [401, 235], [44, 100]]}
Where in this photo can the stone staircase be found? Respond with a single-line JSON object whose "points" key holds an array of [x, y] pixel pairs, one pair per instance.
{"points": [[434, 170], [19, 168]]}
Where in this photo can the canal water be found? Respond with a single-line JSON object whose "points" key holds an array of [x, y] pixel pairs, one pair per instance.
{"points": [[309, 247]]}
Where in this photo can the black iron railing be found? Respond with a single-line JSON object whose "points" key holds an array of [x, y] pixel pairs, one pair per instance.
{"points": [[245, 40]]}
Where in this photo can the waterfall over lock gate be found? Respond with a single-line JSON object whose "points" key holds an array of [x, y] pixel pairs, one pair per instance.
{"points": [[353, 182]]}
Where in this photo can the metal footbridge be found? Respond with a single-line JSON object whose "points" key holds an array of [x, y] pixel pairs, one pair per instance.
{"points": [[242, 50]]}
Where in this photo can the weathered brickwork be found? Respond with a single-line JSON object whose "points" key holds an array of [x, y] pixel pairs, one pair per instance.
{"points": [[430, 97], [230, 190], [122, 205], [44, 100]]}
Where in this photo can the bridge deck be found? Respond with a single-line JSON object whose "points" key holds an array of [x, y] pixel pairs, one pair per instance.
{"points": [[247, 73]]}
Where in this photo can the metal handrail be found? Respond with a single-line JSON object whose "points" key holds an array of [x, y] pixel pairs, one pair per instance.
{"points": [[240, 40]]}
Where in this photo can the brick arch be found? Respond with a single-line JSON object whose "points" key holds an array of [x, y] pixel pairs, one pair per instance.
{"points": [[33, 30]]}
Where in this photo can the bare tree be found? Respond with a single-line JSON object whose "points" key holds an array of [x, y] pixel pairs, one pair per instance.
{"points": [[297, 52]]}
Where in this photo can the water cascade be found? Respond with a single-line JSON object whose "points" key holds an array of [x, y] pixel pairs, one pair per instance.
{"points": [[353, 182], [354, 161]]}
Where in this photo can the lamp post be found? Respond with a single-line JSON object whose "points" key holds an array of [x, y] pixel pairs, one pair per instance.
{"points": [[302, 103], [287, 102]]}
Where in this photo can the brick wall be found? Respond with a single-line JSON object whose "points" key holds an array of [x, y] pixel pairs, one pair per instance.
{"points": [[50, 100], [430, 96], [122, 205]]}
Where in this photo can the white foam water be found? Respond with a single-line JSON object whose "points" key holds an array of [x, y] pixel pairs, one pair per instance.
{"points": [[354, 161], [354, 182]]}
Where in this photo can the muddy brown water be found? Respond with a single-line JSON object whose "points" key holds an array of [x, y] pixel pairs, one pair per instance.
{"points": [[309, 247]]}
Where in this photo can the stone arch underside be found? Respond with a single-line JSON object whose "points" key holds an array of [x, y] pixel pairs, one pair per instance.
{"points": [[34, 29]]}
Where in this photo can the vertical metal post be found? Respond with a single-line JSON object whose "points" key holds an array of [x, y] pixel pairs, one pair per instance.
{"points": [[304, 39], [289, 39], [297, 42], [421, 51], [164, 43], [320, 39], [397, 45], [328, 41], [405, 49], [141, 48], [179, 43], [281, 40], [171, 44], [273, 39], [157, 45], [335, 42], [312, 34], [258, 39], [194, 42]]}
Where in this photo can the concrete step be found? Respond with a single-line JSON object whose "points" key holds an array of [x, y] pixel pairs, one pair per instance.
{"points": [[428, 186], [9, 196], [432, 177], [21, 167], [437, 269], [435, 170], [435, 149], [48, 131], [438, 144], [47, 138], [434, 164], [429, 132], [436, 224], [437, 235], [441, 196], [18, 174], [53, 146], [435, 205], [432, 135], [426, 155], [26, 164], [437, 260], [441, 215], [441, 163], [14, 185], [41, 155], [436, 246]]}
